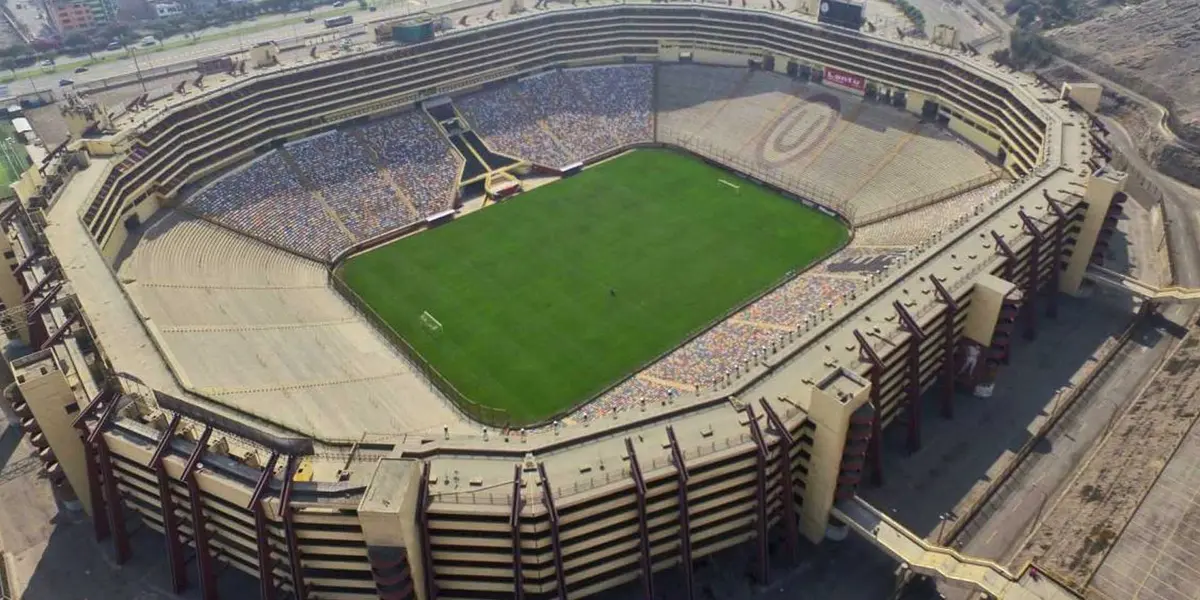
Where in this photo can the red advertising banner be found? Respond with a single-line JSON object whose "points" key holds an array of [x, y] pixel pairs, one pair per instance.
{"points": [[845, 79]]}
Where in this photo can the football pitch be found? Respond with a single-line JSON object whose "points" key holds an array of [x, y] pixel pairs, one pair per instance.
{"points": [[538, 303]]}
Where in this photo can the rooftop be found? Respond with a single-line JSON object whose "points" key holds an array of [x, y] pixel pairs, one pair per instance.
{"points": [[826, 355]]}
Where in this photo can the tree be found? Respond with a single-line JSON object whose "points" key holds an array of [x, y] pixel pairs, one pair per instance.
{"points": [[77, 41]]}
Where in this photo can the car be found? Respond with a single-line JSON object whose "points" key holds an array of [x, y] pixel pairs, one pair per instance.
{"points": [[65, 82], [48, 62], [339, 4], [114, 45], [81, 69], [148, 41], [309, 20]]}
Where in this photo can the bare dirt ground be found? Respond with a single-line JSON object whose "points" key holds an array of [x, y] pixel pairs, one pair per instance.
{"points": [[1152, 47], [1083, 523]]}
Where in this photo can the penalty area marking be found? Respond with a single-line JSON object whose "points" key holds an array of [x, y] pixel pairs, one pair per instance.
{"points": [[730, 184]]}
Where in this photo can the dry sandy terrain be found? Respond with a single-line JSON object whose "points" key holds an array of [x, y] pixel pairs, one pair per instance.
{"points": [[1081, 526], [1153, 47]]}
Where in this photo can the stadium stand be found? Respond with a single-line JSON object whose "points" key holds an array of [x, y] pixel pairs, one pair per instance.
{"points": [[689, 96], [351, 185], [868, 157], [219, 300], [915, 227], [503, 118], [420, 160], [943, 160], [264, 199], [580, 113]]}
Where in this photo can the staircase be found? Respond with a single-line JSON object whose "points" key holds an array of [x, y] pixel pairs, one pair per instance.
{"points": [[1141, 289], [932, 560]]}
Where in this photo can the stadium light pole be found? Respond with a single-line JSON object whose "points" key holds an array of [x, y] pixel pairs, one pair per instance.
{"points": [[137, 66]]}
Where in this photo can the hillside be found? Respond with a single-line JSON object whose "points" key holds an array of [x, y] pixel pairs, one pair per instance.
{"points": [[1153, 48]]}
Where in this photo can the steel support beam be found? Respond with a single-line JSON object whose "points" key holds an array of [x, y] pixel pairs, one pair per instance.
{"points": [[639, 488], [685, 522], [102, 406], [43, 303], [948, 361], [555, 540], [423, 532], [514, 525], [1033, 285], [99, 511], [875, 444], [262, 531], [764, 558], [62, 331], [296, 567], [787, 479], [1010, 262], [1060, 240], [28, 261], [116, 512], [204, 558], [916, 338], [166, 499], [38, 287]]}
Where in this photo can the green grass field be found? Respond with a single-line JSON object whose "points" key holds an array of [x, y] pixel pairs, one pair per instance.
{"points": [[13, 158], [546, 299]]}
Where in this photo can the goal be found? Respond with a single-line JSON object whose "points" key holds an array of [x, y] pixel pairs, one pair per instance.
{"points": [[431, 324]]}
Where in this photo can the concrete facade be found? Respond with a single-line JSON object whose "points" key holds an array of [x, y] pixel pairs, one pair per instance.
{"points": [[549, 512]]}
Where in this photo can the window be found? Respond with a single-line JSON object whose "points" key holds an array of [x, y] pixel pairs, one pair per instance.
{"points": [[72, 408], [9, 254]]}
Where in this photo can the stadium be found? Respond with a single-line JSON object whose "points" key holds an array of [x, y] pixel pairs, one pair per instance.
{"points": [[543, 307]]}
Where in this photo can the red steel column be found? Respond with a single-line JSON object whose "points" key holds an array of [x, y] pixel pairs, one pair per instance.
{"points": [[289, 528], [639, 487], [685, 524], [204, 559], [514, 524], [262, 532], [787, 479], [948, 362], [555, 540], [875, 444], [764, 559]]}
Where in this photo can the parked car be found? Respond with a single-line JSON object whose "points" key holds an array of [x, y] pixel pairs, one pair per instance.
{"points": [[113, 45], [148, 41], [65, 82], [310, 20], [339, 4], [81, 69], [48, 62]]}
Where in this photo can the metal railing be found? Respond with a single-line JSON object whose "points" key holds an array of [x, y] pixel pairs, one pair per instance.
{"points": [[896, 210], [494, 417]]}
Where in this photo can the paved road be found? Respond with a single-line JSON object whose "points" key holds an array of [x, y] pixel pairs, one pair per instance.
{"points": [[216, 47], [1003, 523]]}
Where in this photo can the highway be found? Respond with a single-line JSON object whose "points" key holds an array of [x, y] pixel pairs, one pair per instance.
{"points": [[222, 41]]}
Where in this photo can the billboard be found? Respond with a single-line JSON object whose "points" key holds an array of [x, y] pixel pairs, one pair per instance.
{"points": [[845, 79], [841, 13]]}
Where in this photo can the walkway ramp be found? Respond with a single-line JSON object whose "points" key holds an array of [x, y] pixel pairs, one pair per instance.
{"points": [[1141, 289], [928, 559]]}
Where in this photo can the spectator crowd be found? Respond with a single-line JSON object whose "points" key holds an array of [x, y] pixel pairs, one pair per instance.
{"points": [[565, 116]]}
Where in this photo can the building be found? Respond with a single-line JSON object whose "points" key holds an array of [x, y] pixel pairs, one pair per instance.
{"points": [[74, 16], [164, 10], [552, 512]]}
